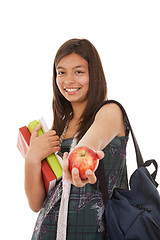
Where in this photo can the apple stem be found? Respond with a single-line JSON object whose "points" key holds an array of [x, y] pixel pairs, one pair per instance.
{"points": [[83, 153]]}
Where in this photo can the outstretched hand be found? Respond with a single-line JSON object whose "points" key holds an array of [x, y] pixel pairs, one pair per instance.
{"points": [[73, 177]]}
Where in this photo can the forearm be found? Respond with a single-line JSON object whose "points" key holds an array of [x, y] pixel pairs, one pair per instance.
{"points": [[34, 186], [92, 140]]}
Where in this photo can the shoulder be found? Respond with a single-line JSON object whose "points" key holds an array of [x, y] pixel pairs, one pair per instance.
{"points": [[110, 110], [110, 116]]}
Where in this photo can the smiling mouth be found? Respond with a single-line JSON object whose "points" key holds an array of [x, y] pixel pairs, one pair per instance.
{"points": [[71, 89]]}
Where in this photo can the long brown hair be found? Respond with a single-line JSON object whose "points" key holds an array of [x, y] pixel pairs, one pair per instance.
{"points": [[97, 86]]}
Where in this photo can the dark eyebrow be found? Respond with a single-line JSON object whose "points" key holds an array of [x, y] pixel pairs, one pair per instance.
{"points": [[79, 66], [59, 67]]}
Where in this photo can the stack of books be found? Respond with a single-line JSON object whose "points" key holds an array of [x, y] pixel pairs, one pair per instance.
{"points": [[52, 165]]}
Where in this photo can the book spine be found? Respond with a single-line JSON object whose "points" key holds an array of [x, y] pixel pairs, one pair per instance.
{"points": [[23, 140], [55, 165], [48, 176], [43, 124]]}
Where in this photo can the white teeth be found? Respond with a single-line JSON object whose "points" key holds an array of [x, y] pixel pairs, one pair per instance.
{"points": [[71, 89]]}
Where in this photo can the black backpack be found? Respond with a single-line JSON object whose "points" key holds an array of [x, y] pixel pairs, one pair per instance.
{"points": [[132, 214]]}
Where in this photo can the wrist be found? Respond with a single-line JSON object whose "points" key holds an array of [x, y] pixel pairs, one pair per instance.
{"points": [[32, 160]]}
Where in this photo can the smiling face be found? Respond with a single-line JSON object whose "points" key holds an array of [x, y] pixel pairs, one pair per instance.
{"points": [[73, 78]]}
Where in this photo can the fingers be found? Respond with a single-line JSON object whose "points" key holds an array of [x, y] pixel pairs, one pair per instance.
{"points": [[51, 133], [91, 176], [35, 131], [54, 149], [100, 154], [74, 177], [49, 136], [52, 138], [66, 171], [47, 142], [77, 181]]}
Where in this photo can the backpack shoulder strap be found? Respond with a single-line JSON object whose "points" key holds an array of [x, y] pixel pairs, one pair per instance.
{"points": [[100, 173], [139, 158]]}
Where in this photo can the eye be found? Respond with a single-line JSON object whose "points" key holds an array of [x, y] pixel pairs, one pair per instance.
{"points": [[60, 72], [79, 72]]}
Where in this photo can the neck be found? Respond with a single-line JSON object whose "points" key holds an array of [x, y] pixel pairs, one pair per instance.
{"points": [[78, 110]]}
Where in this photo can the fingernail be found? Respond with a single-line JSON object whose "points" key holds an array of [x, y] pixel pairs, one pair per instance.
{"points": [[75, 171], [89, 172]]}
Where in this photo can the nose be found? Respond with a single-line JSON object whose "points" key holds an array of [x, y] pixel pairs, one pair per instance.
{"points": [[69, 79]]}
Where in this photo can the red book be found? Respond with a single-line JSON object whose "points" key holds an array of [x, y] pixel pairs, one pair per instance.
{"points": [[48, 176], [23, 140], [23, 145]]}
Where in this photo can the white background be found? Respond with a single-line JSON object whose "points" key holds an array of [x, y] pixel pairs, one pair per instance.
{"points": [[127, 37]]}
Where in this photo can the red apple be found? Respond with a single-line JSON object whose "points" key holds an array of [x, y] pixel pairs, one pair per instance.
{"points": [[83, 158]]}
